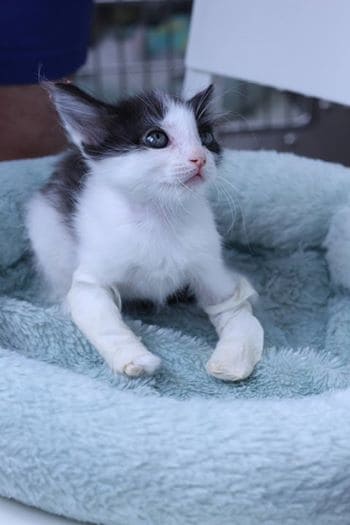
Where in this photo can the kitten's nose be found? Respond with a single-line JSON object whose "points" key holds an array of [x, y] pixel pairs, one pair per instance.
{"points": [[199, 161]]}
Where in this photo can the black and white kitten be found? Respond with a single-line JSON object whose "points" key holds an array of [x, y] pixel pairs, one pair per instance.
{"points": [[126, 215]]}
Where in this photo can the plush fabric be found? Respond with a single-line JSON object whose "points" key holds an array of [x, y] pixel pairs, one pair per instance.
{"points": [[183, 447]]}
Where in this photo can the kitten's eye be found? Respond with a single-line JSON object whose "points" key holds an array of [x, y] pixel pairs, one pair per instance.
{"points": [[207, 138], [155, 138]]}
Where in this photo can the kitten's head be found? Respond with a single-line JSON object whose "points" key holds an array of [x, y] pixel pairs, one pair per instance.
{"points": [[153, 144]]}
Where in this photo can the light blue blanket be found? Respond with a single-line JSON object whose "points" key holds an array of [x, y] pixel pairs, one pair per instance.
{"points": [[183, 447]]}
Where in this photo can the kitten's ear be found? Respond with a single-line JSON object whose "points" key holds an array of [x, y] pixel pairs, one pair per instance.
{"points": [[81, 114], [200, 103]]}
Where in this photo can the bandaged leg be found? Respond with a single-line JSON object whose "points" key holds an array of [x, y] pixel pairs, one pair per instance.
{"points": [[97, 314], [241, 336]]}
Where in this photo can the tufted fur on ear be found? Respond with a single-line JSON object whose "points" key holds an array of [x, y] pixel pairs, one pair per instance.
{"points": [[83, 117], [201, 103]]}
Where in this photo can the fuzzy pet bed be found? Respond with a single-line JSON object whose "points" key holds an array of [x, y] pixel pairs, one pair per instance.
{"points": [[182, 447]]}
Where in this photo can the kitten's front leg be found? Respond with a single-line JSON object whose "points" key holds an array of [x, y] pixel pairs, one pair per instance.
{"points": [[226, 300], [95, 313]]}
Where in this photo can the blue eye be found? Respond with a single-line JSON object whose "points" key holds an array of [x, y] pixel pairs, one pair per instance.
{"points": [[207, 138], [155, 138]]}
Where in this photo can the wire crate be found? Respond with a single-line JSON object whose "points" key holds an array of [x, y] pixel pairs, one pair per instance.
{"points": [[140, 45]]}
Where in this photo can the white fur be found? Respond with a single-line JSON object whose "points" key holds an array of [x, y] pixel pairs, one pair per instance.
{"points": [[142, 230], [52, 244]]}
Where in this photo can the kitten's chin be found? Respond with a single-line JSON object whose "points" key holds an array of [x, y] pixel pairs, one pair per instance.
{"points": [[195, 180]]}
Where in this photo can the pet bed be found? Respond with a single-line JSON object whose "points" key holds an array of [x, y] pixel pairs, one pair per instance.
{"points": [[184, 447]]}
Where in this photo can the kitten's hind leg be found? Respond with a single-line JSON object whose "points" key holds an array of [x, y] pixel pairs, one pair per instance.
{"points": [[99, 318], [52, 244]]}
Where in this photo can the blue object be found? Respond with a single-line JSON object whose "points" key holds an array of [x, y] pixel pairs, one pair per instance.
{"points": [[42, 38], [183, 447]]}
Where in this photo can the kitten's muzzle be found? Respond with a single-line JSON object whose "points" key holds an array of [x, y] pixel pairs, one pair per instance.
{"points": [[197, 176], [199, 162]]}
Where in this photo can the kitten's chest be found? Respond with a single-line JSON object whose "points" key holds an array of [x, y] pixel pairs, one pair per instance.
{"points": [[161, 256], [159, 263], [146, 254]]}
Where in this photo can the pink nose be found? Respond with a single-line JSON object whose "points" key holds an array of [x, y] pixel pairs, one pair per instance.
{"points": [[199, 162]]}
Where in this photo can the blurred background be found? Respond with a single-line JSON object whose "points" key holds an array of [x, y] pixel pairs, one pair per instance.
{"points": [[136, 45], [141, 44]]}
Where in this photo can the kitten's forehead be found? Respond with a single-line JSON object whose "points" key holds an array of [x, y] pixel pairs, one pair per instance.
{"points": [[148, 108], [179, 121], [156, 109]]}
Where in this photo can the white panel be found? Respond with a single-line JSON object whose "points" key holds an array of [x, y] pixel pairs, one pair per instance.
{"points": [[299, 45]]}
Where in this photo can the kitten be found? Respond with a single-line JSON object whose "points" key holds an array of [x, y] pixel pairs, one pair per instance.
{"points": [[126, 216]]}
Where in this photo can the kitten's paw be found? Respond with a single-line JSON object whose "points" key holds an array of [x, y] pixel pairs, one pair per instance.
{"points": [[138, 365], [237, 353], [230, 369], [143, 364]]}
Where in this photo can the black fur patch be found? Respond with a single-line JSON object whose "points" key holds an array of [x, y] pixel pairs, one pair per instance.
{"points": [[107, 129], [126, 123], [214, 147], [200, 105], [66, 182]]}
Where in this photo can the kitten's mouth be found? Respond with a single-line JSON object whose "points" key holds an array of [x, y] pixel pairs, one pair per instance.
{"points": [[195, 179]]}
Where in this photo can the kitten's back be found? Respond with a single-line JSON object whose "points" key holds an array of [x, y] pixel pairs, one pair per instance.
{"points": [[64, 186]]}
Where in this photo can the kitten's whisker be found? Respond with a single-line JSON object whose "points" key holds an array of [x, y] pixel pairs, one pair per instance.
{"points": [[231, 203], [244, 224], [187, 188]]}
